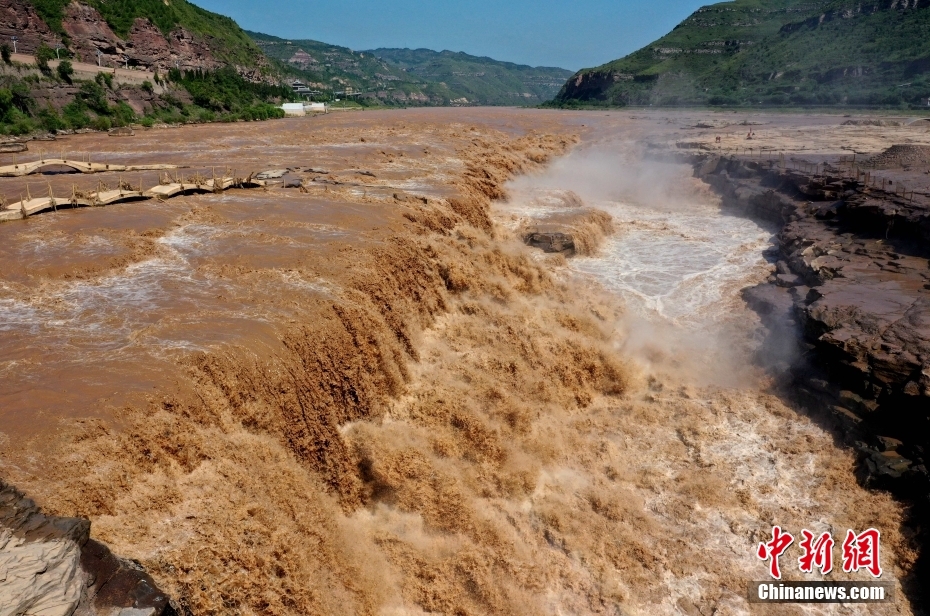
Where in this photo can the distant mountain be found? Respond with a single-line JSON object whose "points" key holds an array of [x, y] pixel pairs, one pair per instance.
{"points": [[412, 77], [480, 79], [774, 52]]}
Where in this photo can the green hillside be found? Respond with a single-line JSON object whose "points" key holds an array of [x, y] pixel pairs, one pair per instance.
{"points": [[479, 79], [329, 68], [228, 41], [411, 77], [774, 52]]}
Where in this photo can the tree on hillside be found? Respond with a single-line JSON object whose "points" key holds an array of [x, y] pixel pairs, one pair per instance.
{"points": [[94, 96], [65, 71], [104, 79], [43, 54]]}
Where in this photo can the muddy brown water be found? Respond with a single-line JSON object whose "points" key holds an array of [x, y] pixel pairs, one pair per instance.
{"points": [[368, 397], [98, 302]]}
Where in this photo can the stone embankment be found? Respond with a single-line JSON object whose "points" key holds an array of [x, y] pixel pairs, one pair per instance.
{"points": [[852, 279], [50, 566]]}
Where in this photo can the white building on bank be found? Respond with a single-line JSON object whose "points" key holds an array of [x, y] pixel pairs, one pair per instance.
{"points": [[293, 109]]}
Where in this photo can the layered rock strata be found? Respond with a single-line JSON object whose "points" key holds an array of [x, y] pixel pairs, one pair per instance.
{"points": [[146, 46], [852, 274], [19, 19], [93, 41], [50, 566], [852, 287]]}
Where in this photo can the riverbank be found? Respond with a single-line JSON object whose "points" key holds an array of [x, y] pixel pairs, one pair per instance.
{"points": [[850, 283]]}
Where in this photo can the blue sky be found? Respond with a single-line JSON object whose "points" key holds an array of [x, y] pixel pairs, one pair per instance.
{"points": [[572, 35]]}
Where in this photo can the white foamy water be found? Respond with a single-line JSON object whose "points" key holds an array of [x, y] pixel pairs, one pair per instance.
{"points": [[107, 314], [676, 260], [682, 265], [675, 257]]}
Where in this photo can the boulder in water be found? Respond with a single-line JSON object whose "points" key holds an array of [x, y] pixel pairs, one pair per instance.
{"points": [[13, 147], [122, 131], [551, 242], [271, 174]]}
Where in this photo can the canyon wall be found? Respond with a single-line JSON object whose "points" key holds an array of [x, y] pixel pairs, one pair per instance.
{"points": [[851, 282], [91, 39]]}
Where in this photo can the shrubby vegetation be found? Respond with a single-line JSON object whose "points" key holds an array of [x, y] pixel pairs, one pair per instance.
{"points": [[220, 96], [179, 97], [65, 71], [229, 96]]}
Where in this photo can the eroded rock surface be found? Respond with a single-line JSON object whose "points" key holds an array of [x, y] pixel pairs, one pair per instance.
{"points": [[90, 33], [854, 275], [50, 566], [146, 46], [20, 19], [551, 242]]}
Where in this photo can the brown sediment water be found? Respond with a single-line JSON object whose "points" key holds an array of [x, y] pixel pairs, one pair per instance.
{"points": [[367, 396]]}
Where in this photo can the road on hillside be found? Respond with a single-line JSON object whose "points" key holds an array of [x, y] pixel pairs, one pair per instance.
{"points": [[84, 70]]}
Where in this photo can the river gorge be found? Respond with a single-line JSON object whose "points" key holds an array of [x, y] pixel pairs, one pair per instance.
{"points": [[359, 390]]}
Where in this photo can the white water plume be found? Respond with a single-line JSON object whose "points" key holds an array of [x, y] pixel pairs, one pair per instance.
{"points": [[676, 260]]}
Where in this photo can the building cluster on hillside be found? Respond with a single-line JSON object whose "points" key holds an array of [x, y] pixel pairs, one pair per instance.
{"points": [[301, 88]]}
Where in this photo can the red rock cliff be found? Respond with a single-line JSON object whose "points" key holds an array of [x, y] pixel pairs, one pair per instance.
{"points": [[19, 19], [146, 45]]}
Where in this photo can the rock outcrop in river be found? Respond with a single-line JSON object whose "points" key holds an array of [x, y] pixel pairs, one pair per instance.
{"points": [[50, 566]]}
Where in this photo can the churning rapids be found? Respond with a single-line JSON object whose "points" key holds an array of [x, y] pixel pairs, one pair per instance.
{"points": [[677, 262], [367, 395], [675, 265], [672, 256]]}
